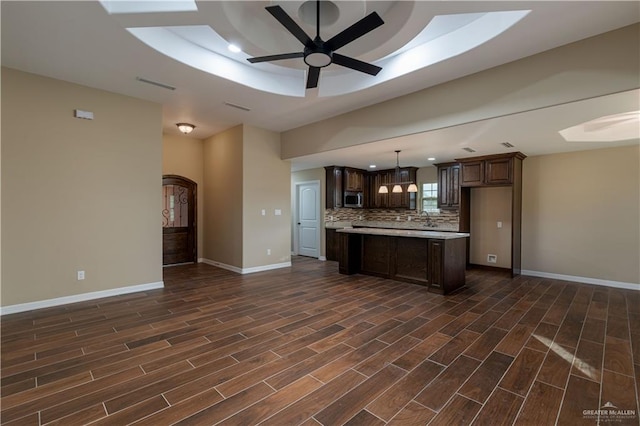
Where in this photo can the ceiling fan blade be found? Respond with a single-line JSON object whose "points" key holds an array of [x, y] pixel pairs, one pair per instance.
{"points": [[355, 64], [290, 24], [357, 30], [276, 57], [312, 77]]}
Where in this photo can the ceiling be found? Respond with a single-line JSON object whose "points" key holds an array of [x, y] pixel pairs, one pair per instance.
{"points": [[82, 42]]}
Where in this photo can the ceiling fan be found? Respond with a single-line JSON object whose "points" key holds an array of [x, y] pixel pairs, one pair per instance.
{"points": [[318, 53]]}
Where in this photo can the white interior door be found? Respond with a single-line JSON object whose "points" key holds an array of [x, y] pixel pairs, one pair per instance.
{"points": [[309, 219]]}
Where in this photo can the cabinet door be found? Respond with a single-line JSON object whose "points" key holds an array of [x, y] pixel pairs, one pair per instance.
{"points": [[472, 173], [443, 186], [353, 180], [398, 200], [411, 260], [454, 186], [499, 171], [332, 245], [375, 255], [333, 184], [436, 265], [448, 186], [381, 201]]}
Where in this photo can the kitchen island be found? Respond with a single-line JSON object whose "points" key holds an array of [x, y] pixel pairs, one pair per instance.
{"points": [[431, 258]]}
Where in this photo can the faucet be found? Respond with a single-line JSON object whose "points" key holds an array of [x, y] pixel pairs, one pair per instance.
{"points": [[428, 223]]}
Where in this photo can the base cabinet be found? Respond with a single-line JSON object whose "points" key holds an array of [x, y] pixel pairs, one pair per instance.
{"points": [[332, 244], [438, 264]]}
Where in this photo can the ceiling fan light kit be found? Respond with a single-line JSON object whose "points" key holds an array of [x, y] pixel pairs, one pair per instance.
{"points": [[318, 53]]}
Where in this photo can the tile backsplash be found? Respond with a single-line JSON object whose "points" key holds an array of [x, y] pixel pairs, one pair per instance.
{"points": [[442, 218]]}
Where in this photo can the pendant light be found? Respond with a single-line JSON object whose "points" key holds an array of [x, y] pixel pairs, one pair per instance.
{"points": [[397, 185]]}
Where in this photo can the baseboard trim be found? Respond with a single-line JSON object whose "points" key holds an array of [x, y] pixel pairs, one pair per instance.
{"points": [[584, 280], [30, 306], [489, 268], [246, 270]]}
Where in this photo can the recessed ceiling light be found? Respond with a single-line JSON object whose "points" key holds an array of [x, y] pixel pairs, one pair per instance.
{"points": [[372, 166], [431, 158], [234, 48], [468, 149]]}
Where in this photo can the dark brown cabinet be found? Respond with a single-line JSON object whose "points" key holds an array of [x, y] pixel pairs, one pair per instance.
{"points": [[332, 245], [353, 179], [490, 170], [436, 263], [448, 185], [378, 200], [499, 171], [391, 200], [334, 185]]}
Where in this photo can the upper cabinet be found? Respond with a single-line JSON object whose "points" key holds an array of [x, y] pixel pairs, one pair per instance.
{"points": [[334, 186], [448, 185], [353, 179], [490, 170], [340, 180], [391, 200]]}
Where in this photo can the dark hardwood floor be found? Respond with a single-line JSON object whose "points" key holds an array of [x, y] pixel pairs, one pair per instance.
{"points": [[305, 345]]}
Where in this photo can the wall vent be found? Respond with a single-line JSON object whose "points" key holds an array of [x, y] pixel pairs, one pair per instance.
{"points": [[155, 83], [469, 149], [507, 144], [237, 106]]}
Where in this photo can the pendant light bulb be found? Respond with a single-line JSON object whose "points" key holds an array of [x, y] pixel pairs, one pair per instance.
{"points": [[412, 188], [383, 190], [396, 189]]}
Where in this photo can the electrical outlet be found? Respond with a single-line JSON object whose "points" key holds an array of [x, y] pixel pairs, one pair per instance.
{"points": [[268, 252], [499, 224], [80, 275], [492, 258], [408, 218]]}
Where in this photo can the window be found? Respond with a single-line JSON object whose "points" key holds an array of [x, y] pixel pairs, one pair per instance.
{"points": [[429, 196]]}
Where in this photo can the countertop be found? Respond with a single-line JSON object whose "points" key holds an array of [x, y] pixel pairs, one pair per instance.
{"points": [[405, 225], [405, 233]]}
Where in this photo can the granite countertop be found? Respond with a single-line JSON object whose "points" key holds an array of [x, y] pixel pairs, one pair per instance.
{"points": [[405, 233], [405, 225], [337, 224]]}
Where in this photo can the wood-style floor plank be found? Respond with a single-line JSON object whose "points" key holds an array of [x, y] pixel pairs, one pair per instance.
{"points": [[308, 346]]}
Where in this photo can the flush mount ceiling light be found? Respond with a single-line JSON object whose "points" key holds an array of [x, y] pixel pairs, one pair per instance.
{"points": [[397, 184], [185, 128]]}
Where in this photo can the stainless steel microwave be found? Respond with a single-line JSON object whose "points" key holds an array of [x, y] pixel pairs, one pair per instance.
{"points": [[352, 200]]}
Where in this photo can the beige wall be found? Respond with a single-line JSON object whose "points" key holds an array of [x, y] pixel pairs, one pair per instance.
{"points": [[266, 185], [183, 156], [77, 194], [222, 193], [488, 206], [581, 70], [581, 214], [310, 176]]}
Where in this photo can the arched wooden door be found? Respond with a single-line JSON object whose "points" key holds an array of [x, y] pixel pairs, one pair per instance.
{"points": [[178, 220]]}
